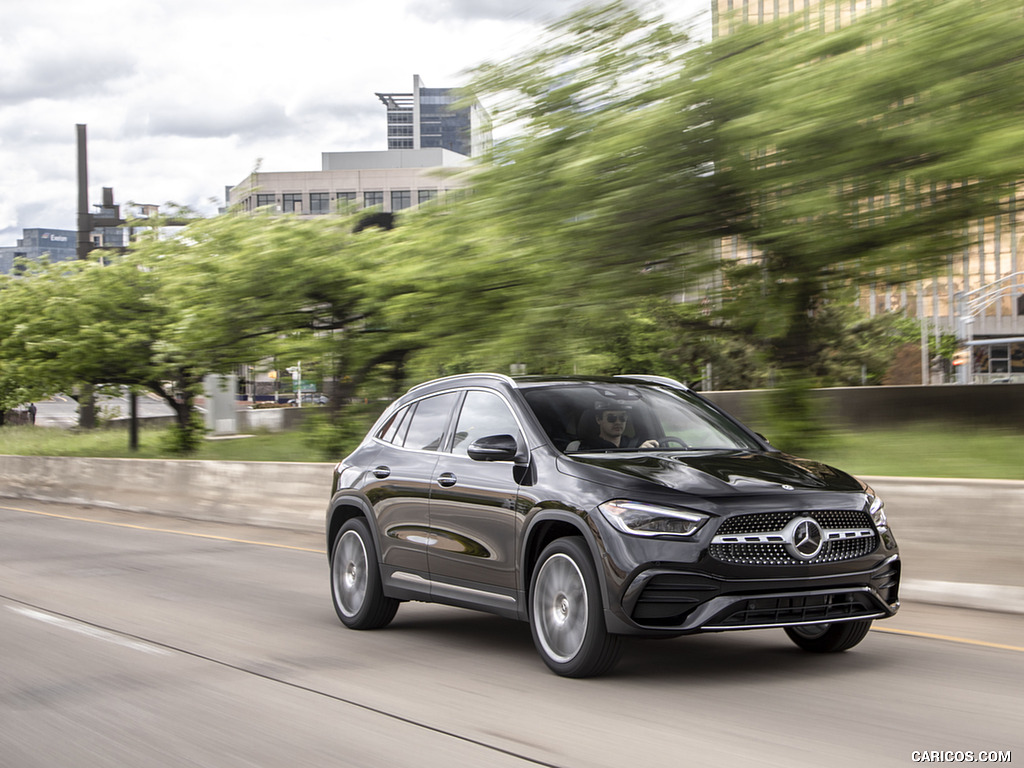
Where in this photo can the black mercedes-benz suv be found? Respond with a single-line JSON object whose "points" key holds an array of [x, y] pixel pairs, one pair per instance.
{"points": [[601, 507]]}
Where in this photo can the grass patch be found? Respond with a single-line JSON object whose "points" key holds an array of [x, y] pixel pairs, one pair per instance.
{"points": [[945, 450], [932, 450], [113, 443]]}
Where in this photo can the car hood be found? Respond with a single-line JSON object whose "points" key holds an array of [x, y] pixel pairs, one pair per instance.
{"points": [[710, 473]]}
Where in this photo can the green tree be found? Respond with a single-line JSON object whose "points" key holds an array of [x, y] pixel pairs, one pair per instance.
{"points": [[813, 163], [94, 323]]}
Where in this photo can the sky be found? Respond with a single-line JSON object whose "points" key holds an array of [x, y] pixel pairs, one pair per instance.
{"points": [[184, 98]]}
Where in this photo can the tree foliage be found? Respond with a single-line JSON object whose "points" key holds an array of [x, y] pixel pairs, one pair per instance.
{"points": [[765, 177]]}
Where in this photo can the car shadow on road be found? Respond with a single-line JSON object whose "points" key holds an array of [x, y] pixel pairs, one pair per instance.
{"points": [[764, 655], [741, 656]]}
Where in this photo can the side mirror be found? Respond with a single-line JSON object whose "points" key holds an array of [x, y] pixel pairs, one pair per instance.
{"points": [[494, 448]]}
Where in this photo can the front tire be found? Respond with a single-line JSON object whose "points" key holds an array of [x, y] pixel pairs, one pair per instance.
{"points": [[566, 612], [356, 588], [829, 638]]}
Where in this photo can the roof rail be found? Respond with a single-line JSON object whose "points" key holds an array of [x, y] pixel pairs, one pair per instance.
{"points": [[653, 379], [458, 376]]}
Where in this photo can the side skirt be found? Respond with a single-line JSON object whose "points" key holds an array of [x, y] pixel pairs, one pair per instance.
{"points": [[414, 585]]}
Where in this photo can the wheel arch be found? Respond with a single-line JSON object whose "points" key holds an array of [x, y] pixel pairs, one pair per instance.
{"points": [[545, 527], [342, 509]]}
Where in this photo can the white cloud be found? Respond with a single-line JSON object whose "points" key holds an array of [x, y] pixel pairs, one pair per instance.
{"points": [[182, 98]]}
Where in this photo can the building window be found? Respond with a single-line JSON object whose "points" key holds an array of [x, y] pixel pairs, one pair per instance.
{"points": [[291, 202], [399, 143], [346, 199], [371, 199], [400, 117], [399, 130], [264, 200], [319, 202], [426, 195], [400, 199]]}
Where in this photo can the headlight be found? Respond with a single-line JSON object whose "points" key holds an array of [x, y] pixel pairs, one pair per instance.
{"points": [[877, 512], [640, 519]]}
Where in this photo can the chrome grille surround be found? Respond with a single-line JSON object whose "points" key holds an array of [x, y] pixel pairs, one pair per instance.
{"points": [[762, 539]]}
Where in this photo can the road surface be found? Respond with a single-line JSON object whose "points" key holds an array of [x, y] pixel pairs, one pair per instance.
{"points": [[135, 640]]}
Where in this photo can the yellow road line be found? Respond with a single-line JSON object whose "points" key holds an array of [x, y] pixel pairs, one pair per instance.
{"points": [[950, 638], [907, 632], [163, 530]]}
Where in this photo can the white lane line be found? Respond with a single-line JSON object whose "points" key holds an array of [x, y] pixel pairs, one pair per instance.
{"points": [[89, 630]]}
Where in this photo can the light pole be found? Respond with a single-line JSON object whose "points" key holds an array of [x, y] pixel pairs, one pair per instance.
{"points": [[296, 372]]}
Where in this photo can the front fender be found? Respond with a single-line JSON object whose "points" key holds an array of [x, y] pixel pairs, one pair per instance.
{"points": [[563, 518]]}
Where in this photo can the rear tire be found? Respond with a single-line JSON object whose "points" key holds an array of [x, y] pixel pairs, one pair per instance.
{"points": [[829, 638], [356, 587], [566, 612]]}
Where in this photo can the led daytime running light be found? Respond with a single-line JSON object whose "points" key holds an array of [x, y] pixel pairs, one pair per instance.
{"points": [[641, 519]]}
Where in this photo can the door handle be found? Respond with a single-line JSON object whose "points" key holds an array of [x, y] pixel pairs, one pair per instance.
{"points": [[381, 472], [447, 480]]}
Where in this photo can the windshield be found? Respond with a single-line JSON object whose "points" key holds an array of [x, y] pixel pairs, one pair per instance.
{"points": [[597, 417]]}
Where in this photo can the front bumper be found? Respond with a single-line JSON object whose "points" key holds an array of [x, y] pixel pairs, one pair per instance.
{"points": [[665, 601]]}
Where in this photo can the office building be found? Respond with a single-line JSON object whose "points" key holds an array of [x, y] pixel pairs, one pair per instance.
{"points": [[430, 118], [430, 141], [391, 180], [35, 244]]}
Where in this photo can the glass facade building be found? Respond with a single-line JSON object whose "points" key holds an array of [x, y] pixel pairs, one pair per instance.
{"points": [[34, 244], [430, 118]]}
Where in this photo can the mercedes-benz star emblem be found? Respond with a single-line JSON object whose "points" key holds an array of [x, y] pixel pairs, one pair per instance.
{"points": [[804, 538]]}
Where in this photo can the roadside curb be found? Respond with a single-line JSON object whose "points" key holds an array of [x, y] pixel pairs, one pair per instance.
{"points": [[986, 597]]}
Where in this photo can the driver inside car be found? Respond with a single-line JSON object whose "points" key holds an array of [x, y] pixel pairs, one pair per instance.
{"points": [[611, 426]]}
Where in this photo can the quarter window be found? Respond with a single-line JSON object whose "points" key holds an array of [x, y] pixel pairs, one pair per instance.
{"points": [[426, 430], [483, 414], [391, 428]]}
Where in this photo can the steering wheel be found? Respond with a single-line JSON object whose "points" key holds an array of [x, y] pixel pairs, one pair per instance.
{"points": [[672, 442]]}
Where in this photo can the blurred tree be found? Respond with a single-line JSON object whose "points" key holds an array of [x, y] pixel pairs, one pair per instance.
{"points": [[70, 324], [12, 393], [670, 338], [860, 154], [606, 190], [775, 168]]}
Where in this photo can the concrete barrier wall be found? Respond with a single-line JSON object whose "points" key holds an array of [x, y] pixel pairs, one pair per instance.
{"points": [[990, 405], [957, 530], [277, 494], [968, 532]]}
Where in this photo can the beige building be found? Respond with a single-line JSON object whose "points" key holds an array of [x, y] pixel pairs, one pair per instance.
{"points": [[979, 295], [390, 180], [431, 135]]}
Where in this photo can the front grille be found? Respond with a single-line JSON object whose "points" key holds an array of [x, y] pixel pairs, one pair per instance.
{"points": [[800, 609], [852, 532]]}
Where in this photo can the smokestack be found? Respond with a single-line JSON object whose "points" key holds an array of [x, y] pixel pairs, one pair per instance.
{"points": [[83, 243]]}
